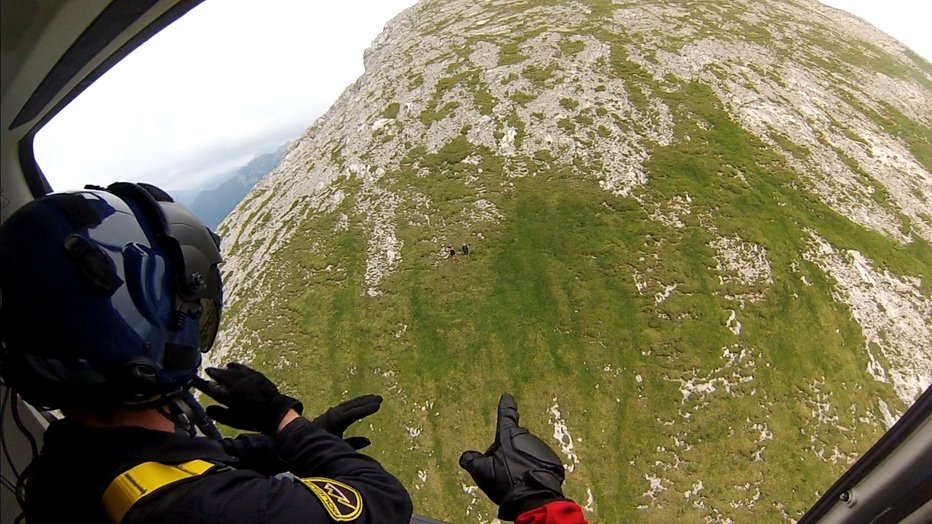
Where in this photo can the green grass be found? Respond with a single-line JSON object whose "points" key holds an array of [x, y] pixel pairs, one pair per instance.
{"points": [[509, 54], [571, 47], [549, 292], [522, 98], [569, 104], [540, 75], [391, 111], [435, 114], [547, 303], [484, 101]]}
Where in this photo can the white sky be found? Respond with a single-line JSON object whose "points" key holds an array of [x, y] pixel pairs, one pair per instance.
{"points": [[230, 79], [909, 21], [234, 78]]}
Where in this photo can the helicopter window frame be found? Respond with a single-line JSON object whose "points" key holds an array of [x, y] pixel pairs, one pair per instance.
{"points": [[104, 29]]}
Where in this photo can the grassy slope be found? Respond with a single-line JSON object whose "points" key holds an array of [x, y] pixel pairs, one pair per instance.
{"points": [[547, 302]]}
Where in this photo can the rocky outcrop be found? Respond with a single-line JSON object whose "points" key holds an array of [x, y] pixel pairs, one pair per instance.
{"points": [[724, 215]]}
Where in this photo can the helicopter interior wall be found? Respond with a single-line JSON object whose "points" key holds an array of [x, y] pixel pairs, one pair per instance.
{"points": [[50, 50], [17, 448], [35, 35], [55, 51]]}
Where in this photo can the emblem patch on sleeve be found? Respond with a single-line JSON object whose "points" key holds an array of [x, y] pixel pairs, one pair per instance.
{"points": [[342, 502]]}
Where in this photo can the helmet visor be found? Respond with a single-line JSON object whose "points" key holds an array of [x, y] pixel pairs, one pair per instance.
{"points": [[209, 319], [209, 323]]}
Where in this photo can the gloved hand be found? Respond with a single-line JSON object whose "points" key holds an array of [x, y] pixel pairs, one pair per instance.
{"points": [[338, 418], [253, 402], [518, 471]]}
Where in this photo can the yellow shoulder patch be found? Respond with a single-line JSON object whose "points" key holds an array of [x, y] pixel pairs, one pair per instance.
{"points": [[342, 502]]}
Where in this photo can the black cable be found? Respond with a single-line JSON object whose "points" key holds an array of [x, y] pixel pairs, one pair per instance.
{"points": [[198, 416], [173, 413], [21, 485], [7, 484], [22, 427], [13, 488], [6, 449], [19, 489]]}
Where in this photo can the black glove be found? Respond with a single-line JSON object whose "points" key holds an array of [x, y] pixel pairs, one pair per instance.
{"points": [[336, 419], [518, 472], [253, 402]]}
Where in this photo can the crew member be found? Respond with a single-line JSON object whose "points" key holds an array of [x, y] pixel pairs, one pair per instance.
{"points": [[109, 298]]}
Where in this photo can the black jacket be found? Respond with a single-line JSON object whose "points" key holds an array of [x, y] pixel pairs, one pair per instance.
{"points": [[77, 464]]}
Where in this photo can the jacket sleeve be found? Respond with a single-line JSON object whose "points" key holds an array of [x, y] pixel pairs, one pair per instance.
{"points": [[332, 483], [560, 512], [256, 452], [312, 452]]}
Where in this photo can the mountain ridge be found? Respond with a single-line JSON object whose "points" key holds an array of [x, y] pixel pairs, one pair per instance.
{"points": [[213, 204], [700, 236]]}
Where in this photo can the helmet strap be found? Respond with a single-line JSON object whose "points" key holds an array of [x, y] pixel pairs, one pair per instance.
{"points": [[172, 411], [188, 415]]}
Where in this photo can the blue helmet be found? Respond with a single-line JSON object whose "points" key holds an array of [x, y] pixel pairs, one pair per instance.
{"points": [[108, 297]]}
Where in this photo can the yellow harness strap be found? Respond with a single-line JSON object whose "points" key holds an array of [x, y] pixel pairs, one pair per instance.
{"points": [[132, 485]]}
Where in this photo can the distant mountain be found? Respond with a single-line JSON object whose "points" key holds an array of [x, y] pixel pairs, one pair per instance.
{"points": [[189, 195], [701, 250], [213, 205], [186, 196]]}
